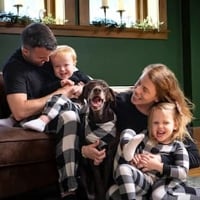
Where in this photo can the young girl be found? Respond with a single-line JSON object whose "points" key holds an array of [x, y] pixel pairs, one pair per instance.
{"points": [[167, 130]]}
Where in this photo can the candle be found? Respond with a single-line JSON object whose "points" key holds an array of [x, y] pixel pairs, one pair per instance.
{"points": [[120, 4], [104, 3], [158, 14], [18, 2], [41, 4]]}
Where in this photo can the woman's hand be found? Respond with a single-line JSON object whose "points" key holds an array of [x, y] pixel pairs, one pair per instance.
{"points": [[151, 162], [147, 162], [136, 161], [90, 151]]}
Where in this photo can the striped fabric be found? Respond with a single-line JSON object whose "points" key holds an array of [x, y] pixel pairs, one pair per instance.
{"points": [[105, 132], [131, 183]]}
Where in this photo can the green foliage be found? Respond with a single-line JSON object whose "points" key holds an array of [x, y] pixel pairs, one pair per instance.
{"points": [[49, 19], [11, 18], [147, 24], [24, 20]]}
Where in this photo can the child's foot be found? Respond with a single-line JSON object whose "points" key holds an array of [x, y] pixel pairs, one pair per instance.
{"points": [[130, 147], [36, 124], [8, 122]]}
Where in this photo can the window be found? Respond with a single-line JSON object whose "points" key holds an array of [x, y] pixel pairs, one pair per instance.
{"points": [[31, 8], [122, 12], [113, 12], [74, 17]]}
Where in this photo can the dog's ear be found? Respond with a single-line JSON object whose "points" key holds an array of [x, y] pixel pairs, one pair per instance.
{"points": [[84, 93], [111, 96]]}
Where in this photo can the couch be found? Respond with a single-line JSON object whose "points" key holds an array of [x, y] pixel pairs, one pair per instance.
{"points": [[27, 158]]}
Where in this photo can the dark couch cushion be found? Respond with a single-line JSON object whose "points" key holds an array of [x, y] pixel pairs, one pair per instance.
{"points": [[27, 161], [19, 147]]}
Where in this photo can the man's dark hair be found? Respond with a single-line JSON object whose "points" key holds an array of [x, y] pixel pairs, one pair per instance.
{"points": [[38, 35]]}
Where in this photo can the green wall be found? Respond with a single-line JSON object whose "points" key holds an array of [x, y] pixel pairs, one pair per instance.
{"points": [[195, 57], [120, 61]]}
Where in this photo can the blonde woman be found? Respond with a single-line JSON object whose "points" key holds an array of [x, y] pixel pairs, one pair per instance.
{"points": [[157, 83]]}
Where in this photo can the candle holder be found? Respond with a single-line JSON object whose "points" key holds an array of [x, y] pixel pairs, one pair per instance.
{"points": [[18, 6], [120, 14], [104, 10], [41, 14]]}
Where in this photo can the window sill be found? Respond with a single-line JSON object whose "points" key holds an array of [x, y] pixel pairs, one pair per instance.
{"points": [[91, 31]]}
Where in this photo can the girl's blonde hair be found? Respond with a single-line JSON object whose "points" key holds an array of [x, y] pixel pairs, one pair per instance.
{"points": [[62, 50], [180, 132], [168, 89]]}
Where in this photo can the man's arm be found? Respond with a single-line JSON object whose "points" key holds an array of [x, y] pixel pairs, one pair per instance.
{"points": [[21, 107]]}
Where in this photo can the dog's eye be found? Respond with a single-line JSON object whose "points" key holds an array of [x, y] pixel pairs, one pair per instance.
{"points": [[106, 89]]}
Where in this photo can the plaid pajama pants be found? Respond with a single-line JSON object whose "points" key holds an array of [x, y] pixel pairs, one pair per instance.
{"points": [[173, 189], [132, 184], [58, 104], [67, 140]]}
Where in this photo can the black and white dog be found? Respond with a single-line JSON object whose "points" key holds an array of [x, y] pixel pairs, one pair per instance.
{"points": [[99, 124]]}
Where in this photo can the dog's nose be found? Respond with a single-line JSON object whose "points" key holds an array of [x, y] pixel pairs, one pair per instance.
{"points": [[97, 90]]}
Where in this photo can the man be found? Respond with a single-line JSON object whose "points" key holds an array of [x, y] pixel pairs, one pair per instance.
{"points": [[27, 74]]}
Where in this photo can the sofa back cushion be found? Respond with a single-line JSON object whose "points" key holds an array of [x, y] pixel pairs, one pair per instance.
{"points": [[4, 108]]}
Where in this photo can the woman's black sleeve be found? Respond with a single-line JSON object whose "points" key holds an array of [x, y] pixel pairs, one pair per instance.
{"points": [[193, 153]]}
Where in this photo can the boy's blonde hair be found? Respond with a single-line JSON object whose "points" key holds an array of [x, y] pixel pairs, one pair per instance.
{"points": [[62, 50], [180, 120]]}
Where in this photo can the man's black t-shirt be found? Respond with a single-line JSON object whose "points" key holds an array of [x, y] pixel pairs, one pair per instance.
{"points": [[21, 76]]}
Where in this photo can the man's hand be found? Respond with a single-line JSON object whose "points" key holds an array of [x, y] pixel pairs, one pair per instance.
{"points": [[70, 90], [66, 82]]}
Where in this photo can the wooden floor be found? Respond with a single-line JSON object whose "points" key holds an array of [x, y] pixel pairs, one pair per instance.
{"points": [[196, 136], [194, 172]]}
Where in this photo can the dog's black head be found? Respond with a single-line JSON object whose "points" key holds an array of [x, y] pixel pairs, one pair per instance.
{"points": [[98, 95]]}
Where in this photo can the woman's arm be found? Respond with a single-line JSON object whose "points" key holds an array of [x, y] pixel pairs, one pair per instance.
{"points": [[193, 153], [90, 151], [179, 167]]}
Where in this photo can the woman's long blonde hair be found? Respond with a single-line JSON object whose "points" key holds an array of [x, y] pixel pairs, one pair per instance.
{"points": [[168, 89]]}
